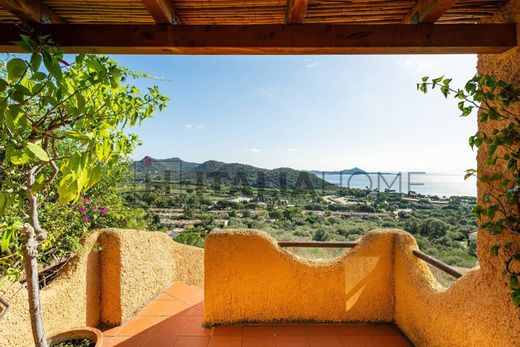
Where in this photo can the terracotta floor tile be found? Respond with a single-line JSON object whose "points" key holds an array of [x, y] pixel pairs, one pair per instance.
{"points": [[162, 340], [195, 299], [169, 325], [291, 341], [139, 325], [133, 341], [174, 319], [257, 330], [153, 308], [384, 330], [164, 297], [290, 330], [358, 341], [191, 341], [227, 331], [174, 308], [322, 330], [186, 293], [325, 341], [367, 330], [258, 341], [192, 311], [392, 341], [111, 331], [225, 341], [199, 306], [193, 327]]}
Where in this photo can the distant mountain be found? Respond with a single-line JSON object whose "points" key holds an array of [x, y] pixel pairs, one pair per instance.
{"points": [[230, 173], [158, 167], [352, 171]]}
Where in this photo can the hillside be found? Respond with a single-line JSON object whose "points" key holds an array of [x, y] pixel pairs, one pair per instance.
{"points": [[229, 173], [156, 168], [353, 171]]}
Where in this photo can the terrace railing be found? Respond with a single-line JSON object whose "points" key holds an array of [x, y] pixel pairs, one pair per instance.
{"points": [[344, 244]]}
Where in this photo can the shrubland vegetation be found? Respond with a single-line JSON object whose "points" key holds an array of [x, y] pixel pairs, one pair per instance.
{"points": [[442, 230]]}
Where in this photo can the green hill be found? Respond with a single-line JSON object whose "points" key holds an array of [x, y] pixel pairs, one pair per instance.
{"points": [[228, 173]]}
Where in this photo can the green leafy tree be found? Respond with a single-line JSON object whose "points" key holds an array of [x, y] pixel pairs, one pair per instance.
{"points": [[61, 125]]}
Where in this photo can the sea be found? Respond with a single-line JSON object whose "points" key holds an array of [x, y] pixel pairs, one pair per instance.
{"points": [[432, 184]]}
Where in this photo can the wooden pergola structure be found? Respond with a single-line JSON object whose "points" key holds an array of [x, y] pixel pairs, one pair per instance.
{"points": [[261, 26]]}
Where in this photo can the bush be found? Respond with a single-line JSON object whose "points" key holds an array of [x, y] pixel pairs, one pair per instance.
{"points": [[320, 235]]}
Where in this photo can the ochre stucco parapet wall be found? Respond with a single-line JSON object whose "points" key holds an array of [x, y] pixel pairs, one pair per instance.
{"points": [[115, 273], [469, 313], [248, 278]]}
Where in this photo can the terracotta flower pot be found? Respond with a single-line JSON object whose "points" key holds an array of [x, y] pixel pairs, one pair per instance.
{"points": [[77, 334]]}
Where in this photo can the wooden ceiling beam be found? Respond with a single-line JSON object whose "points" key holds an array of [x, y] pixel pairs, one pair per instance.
{"points": [[427, 11], [32, 11], [273, 39], [296, 10], [162, 11]]}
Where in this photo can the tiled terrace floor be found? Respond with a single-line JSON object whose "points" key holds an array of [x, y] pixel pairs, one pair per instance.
{"points": [[174, 319]]}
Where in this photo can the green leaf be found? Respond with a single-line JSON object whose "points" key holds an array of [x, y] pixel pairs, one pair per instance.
{"points": [[515, 296], [5, 201], [52, 65], [67, 189], [17, 157], [38, 184], [36, 60], [6, 238], [494, 250], [38, 151], [15, 69], [39, 76], [3, 85], [94, 176]]}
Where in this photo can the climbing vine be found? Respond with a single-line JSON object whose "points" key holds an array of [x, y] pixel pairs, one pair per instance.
{"points": [[498, 210]]}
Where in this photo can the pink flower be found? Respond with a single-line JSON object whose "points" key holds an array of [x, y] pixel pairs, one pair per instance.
{"points": [[82, 210], [85, 219], [103, 210], [86, 201], [74, 206]]}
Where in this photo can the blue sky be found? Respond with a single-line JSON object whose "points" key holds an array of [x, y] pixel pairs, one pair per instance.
{"points": [[308, 112]]}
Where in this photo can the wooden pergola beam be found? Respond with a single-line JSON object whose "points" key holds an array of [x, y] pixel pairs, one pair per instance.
{"points": [[427, 11], [273, 39], [33, 11], [162, 11], [296, 10]]}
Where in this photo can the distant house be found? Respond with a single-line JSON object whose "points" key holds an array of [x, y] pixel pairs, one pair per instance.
{"points": [[221, 222], [373, 195], [240, 199]]}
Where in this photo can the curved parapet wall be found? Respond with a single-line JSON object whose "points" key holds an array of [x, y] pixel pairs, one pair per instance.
{"points": [[115, 273], [248, 278], [469, 313]]}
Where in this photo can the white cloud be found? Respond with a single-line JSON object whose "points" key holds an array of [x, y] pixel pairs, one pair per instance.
{"points": [[311, 65], [252, 150], [292, 150], [194, 126]]}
